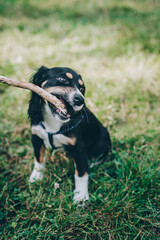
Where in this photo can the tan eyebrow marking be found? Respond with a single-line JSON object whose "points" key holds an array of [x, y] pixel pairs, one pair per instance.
{"points": [[69, 75], [80, 82], [59, 89]]}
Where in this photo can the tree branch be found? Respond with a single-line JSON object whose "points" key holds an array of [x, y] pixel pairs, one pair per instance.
{"points": [[41, 92]]}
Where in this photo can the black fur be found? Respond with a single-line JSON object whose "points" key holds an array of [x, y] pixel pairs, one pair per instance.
{"points": [[92, 139], [37, 144], [36, 102]]}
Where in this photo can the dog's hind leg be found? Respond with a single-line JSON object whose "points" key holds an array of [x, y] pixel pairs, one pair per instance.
{"points": [[39, 163], [100, 151]]}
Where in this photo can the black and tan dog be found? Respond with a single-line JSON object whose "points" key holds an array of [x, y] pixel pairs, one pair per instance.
{"points": [[78, 131]]}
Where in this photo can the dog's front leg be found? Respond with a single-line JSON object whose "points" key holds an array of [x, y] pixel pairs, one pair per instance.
{"points": [[39, 163], [81, 177]]}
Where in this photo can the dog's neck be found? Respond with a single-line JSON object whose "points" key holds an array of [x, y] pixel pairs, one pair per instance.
{"points": [[50, 122]]}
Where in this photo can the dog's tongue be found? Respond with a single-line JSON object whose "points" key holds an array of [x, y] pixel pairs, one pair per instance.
{"points": [[58, 111]]}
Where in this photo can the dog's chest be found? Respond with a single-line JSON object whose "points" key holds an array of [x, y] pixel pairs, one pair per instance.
{"points": [[47, 133], [58, 140]]}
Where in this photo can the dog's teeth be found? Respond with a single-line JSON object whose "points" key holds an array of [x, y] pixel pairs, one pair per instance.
{"points": [[62, 114], [58, 110]]}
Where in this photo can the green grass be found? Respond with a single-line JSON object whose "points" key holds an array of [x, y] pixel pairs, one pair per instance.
{"points": [[115, 47]]}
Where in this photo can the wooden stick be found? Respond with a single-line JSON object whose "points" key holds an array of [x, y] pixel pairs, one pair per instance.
{"points": [[41, 92]]}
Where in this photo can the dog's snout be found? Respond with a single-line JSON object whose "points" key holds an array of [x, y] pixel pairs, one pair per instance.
{"points": [[78, 99]]}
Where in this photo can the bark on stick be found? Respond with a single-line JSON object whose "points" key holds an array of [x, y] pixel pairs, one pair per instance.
{"points": [[41, 92]]}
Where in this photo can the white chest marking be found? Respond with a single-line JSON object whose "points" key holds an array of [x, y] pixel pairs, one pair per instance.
{"points": [[58, 140], [53, 126], [41, 133]]}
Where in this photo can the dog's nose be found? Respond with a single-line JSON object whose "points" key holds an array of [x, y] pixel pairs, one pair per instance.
{"points": [[78, 99]]}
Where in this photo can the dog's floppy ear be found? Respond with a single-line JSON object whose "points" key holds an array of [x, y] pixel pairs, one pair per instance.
{"points": [[36, 102], [40, 76]]}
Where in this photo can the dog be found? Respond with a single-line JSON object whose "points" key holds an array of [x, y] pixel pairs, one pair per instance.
{"points": [[78, 132]]}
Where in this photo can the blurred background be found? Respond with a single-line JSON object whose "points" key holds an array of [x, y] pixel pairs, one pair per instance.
{"points": [[115, 46]]}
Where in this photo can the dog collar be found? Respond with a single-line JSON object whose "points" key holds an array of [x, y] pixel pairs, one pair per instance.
{"points": [[50, 134]]}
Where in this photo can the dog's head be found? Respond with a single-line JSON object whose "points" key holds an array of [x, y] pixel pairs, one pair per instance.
{"points": [[65, 84]]}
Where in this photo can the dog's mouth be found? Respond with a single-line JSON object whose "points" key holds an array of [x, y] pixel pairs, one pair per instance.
{"points": [[67, 107]]}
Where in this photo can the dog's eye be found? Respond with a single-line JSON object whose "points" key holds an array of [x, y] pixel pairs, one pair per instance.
{"points": [[63, 80], [82, 90]]}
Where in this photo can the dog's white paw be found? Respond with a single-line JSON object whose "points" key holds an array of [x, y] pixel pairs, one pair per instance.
{"points": [[35, 176], [38, 172], [80, 196], [81, 189]]}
